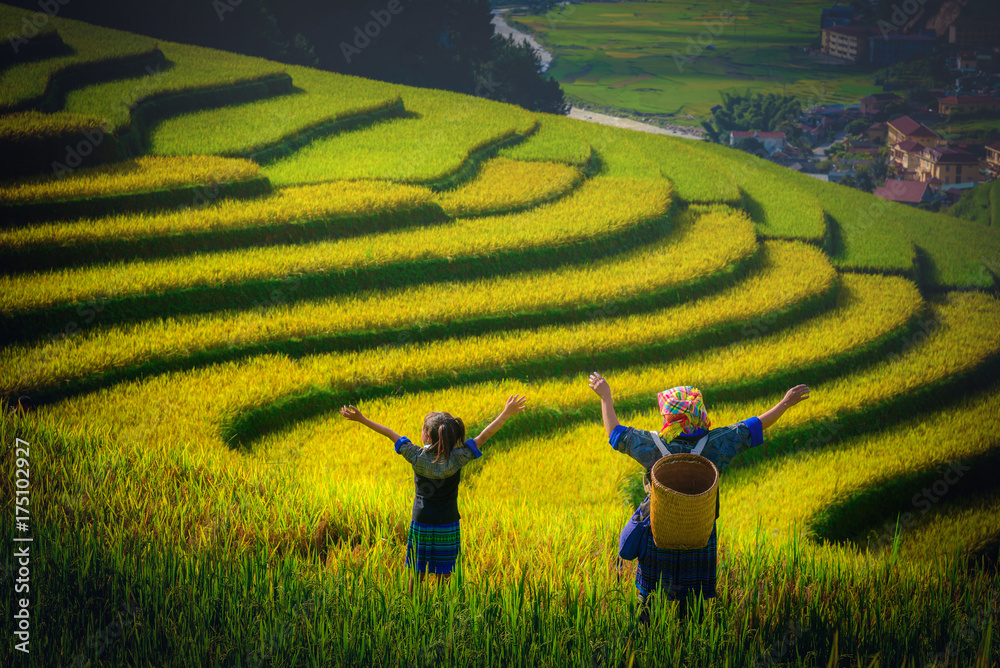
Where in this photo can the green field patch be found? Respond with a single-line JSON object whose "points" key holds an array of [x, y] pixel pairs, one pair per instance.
{"points": [[630, 281], [323, 103], [980, 204], [697, 176], [750, 38], [208, 221], [95, 52], [557, 139], [435, 152], [793, 278], [140, 184], [624, 212], [194, 78], [869, 518], [852, 332], [878, 235]]}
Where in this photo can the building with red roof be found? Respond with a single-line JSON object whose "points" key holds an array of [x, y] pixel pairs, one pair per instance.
{"points": [[906, 157], [947, 165], [874, 103], [946, 105], [772, 141], [906, 192], [904, 128]]}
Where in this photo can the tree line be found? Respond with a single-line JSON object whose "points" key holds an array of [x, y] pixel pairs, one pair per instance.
{"points": [[447, 44]]}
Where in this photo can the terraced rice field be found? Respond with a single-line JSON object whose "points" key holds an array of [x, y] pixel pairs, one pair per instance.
{"points": [[181, 324]]}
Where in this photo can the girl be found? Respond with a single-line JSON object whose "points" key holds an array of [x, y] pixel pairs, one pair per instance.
{"points": [[680, 574], [435, 541]]}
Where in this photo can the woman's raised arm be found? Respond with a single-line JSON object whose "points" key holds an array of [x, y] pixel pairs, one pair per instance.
{"points": [[792, 397]]}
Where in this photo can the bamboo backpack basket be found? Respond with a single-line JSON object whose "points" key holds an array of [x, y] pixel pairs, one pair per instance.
{"points": [[685, 488]]}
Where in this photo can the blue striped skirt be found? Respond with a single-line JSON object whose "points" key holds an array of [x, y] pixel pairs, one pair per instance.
{"points": [[433, 548], [678, 572]]}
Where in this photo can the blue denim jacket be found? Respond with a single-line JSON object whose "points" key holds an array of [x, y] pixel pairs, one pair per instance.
{"points": [[723, 443]]}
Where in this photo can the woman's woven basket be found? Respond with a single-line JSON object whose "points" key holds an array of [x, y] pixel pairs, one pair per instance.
{"points": [[682, 506]]}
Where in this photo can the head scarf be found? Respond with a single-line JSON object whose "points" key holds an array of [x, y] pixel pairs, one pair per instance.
{"points": [[683, 411]]}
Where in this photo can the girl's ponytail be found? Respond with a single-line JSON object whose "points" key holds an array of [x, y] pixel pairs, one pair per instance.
{"points": [[447, 432], [451, 433]]}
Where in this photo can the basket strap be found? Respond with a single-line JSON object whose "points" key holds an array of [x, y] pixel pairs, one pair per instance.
{"points": [[663, 449], [659, 444]]}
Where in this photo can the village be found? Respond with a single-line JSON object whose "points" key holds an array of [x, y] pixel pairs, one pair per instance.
{"points": [[921, 148]]}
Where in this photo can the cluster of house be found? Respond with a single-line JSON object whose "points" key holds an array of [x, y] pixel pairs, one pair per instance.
{"points": [[887, 42], [928, 165], [923, 167]]}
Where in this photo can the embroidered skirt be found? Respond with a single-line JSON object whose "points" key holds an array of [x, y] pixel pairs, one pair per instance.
{"points": [[678, 572], [433, 548]]}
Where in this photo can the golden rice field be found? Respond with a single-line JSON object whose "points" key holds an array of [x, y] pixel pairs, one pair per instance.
{"points": [[176, 367], [142, 174]]}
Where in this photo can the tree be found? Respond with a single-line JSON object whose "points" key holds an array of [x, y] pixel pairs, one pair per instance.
{"points": [[856, 127], [770, 112], [513, 76], [751, 145]]}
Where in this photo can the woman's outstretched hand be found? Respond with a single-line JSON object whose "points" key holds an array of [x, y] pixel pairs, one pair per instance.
{"points": [[600, 385], [515, 404], [351, 413], [795, 395]]}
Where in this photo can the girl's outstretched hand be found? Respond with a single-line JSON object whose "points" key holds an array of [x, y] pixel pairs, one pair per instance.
{"points": [[795, 395], [351, 413], [515, 404], [600, 385]]}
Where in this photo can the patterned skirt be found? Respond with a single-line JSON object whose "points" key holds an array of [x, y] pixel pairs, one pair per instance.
{"points": [[678, 572], [433, 548]]}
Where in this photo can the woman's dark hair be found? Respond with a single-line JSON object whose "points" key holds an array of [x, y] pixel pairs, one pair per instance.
{"points": [[445, 431]]}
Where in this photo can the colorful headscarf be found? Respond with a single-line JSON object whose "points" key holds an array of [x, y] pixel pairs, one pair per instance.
{"points": [[683, 411]]}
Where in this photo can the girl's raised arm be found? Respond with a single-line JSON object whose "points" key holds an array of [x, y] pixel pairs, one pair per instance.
{"points": [[515, 404], [354, 415]]}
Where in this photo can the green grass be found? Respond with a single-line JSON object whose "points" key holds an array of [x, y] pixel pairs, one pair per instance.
{"points": [[619, 207], [567, 293], [435, 152], [980, 204], [187, 456], [872, 234], [190, 68], [650, 57], [321, 98], [26, 83]]}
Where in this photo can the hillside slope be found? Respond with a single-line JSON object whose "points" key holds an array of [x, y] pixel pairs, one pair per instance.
{"points": [[179, 330]]}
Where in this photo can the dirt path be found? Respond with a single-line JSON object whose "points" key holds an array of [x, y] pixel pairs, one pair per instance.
{"points": [[501, 27], [628, 123]]}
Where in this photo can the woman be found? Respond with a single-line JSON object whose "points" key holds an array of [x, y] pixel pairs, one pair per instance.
{"points": [[683, 574]]}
